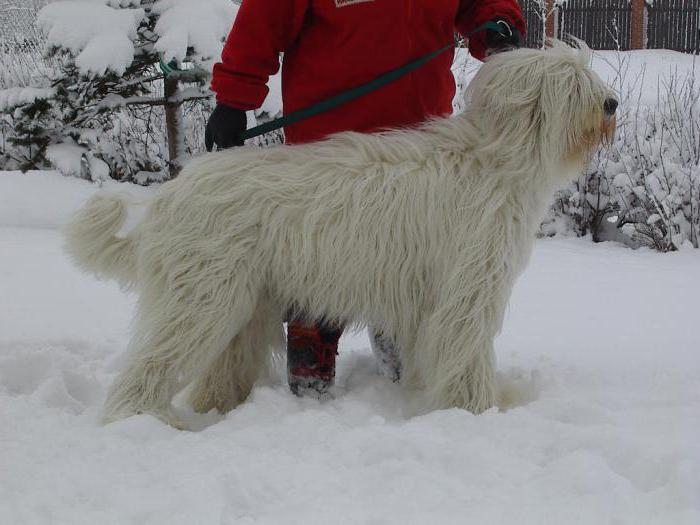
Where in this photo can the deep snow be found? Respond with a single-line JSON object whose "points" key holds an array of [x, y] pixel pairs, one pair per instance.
{"points": [[598, 364]]}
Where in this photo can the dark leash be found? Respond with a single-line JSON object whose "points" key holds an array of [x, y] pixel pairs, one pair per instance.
{"points": [[359, 91]]}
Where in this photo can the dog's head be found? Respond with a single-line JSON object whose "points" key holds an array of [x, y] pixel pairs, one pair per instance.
{"points": [[546, 106]]}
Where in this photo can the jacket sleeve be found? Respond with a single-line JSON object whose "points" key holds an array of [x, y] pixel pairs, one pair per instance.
{"points": [[473, 13], [263, 29]]}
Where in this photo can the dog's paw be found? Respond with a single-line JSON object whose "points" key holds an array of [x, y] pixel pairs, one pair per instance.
{"points": [[479, 399], [170, 418], [470, 398], [477, 407], [167, 416], [203, 399], [112, 416]]}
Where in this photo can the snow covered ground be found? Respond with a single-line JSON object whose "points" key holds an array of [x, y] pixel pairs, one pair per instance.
{"points": [[598, 367], [639, 76]]}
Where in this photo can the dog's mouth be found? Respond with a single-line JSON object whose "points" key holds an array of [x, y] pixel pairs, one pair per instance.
{"points": [[610, 106], [604, 135], [608, 129], [596, 136]]}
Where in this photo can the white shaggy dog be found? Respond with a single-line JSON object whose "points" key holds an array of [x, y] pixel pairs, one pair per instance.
{"points": [[419, 233]]}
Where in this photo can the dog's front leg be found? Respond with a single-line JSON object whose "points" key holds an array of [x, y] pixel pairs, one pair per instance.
{"points": [[454, 355]]}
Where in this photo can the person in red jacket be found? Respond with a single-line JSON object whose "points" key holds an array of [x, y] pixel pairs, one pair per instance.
{"points": [[330, 46]]}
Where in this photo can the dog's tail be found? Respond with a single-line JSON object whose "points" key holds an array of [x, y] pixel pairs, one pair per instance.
{"points": [[92, 243]]}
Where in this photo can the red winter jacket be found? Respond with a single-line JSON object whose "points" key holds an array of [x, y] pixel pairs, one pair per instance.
{"points": [[330, 46]]}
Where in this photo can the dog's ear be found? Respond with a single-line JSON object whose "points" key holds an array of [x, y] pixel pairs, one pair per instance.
{"points": [[505, 101]]}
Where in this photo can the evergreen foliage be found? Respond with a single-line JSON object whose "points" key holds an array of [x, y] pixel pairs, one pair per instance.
{"points": [[118, 116]]}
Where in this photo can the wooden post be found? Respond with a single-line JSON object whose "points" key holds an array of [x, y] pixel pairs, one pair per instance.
{"points": [[173, 125], [637, 29], [550, 14]]}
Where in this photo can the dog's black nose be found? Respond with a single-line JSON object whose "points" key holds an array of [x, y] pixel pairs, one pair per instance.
{"points": [[609, 106]]}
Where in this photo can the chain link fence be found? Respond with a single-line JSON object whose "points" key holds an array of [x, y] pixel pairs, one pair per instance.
{"points": [[21, 43]]}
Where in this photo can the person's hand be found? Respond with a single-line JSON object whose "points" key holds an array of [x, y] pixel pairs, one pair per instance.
{"points": [[508, 38], [224, 127]]}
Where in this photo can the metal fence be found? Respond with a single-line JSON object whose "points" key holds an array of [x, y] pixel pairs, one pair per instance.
{"points": [[21, 43], [606, 24]]}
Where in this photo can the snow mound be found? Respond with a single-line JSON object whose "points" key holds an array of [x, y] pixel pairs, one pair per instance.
{"points": [[598, 374]]}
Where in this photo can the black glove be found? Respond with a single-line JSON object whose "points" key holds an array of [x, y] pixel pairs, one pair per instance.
{"points": [[224, 127], [508, 38]]}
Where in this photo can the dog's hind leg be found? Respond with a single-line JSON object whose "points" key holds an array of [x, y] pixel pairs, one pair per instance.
{"points": [[230, 378], [179, 334], [387, 354]]}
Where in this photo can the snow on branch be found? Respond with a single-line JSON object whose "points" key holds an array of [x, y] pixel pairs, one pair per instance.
{"points": [[13, 97], [99, 35], [103, 35], [201, 26]]}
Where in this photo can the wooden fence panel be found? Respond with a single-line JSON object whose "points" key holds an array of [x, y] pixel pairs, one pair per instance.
{"points": [[534, 19], [606, 24], [602, 24], [674, 24]]}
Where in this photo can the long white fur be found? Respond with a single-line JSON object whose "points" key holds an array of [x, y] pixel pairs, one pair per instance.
{"points": [[419, 233]]}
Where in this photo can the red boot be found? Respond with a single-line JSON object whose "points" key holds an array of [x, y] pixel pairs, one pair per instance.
{"points": [[311, 352]]}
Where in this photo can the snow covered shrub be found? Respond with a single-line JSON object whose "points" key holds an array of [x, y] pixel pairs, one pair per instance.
{"points": [[30, 129], [657, 176], [643, 190], [125, 76]]}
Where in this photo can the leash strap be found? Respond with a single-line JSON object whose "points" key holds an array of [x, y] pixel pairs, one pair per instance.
{"points": [[359, 91]]}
